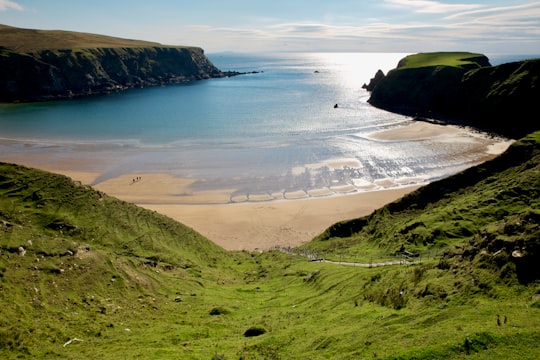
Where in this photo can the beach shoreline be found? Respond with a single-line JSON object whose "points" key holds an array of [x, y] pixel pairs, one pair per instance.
{"points": [[256, 221]]}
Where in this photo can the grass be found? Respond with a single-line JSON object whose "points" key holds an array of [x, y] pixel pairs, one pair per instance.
{"points": [[453, 59], [31, 40], [101, 278]]}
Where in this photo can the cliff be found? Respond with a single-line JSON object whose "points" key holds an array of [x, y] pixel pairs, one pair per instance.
{"points": [[46, 65], [463, 87]]}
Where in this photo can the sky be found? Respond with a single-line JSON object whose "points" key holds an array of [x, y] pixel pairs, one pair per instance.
{"points": [[404, 26]]}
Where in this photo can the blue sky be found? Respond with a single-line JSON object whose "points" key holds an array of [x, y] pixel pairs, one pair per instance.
{"points": [[407, 26]]}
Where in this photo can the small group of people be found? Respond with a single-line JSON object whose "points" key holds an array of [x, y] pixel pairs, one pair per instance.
{"points": [[138, 178]]}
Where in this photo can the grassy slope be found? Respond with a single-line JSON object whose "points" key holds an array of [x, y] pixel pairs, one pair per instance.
{"points": [[480, 216], [30, 40], [446, 212], [86, 253], [131, 283]]}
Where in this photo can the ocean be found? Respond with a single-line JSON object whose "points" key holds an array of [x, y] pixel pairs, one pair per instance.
{"points": [[297, 122]]}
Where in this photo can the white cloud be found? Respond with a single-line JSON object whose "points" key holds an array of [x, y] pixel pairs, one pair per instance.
{"points": [[470, 27], [8, 4], [452, 34], [430, 7], [502, 14]]}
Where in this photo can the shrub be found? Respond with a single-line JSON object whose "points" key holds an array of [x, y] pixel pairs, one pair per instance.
{"points": [[254, 331]]}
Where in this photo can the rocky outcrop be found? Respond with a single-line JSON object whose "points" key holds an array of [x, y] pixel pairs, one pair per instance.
{"points": [[379, 75], [65, 73], [496, 98]]}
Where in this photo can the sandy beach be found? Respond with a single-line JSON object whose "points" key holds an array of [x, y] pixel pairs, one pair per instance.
{"points": [[251, 226], [257, 221]]}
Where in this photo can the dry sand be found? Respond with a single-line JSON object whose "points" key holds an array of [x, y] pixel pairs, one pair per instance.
{"points": [[258, 222], [247, 225], [250, 226]]}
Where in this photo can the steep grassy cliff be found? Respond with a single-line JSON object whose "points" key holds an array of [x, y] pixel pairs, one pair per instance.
{"points": [[46, 65], [463, 87]]}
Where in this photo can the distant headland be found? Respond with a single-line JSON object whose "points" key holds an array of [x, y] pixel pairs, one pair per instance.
{"points": [[38, 65], [462, 87]]}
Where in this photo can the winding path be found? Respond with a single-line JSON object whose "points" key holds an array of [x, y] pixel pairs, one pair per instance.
{"points": [[377, 264]]}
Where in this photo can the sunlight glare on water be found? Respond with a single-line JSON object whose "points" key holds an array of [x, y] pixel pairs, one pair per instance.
{"points": [[353, 69], [271, 131]]}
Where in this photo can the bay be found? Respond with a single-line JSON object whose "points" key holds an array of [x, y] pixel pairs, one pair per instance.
{"points": [[295, 122]]}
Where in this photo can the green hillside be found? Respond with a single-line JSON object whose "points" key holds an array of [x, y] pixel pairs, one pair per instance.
{"points": [[33, 40], [84, 275]]}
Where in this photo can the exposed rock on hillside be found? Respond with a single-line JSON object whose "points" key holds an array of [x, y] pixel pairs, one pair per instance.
{"points": [[34, 72], [498, 98]]}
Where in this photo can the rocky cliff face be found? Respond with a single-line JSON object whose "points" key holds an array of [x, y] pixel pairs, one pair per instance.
{"points": [[503, 97], [498, 98], [57, 74]]}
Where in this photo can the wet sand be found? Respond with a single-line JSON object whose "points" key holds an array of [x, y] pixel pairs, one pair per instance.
{"points": [[255, 221]]}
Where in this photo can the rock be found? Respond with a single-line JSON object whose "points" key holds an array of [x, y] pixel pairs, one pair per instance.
{"points": [[517, 254], [379, 75], [71, 341], [311, 276], [7, 224]]}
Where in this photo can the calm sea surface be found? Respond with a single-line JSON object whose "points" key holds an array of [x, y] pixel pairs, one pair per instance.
{"points": [[273, 131]]}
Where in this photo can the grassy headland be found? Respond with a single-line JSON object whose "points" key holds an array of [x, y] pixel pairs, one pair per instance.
{"points": [[34, 40], [85, 275], [454, 59], [38, 65], [462, 88]]}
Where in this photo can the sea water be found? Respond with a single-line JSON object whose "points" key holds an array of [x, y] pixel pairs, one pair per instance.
{"points": [[296, 122]]}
